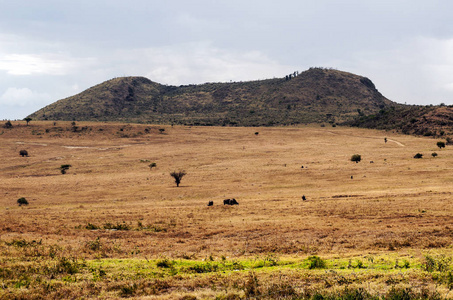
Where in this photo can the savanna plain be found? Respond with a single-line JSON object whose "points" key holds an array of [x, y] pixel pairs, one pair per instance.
{"points": [[116, 225]]}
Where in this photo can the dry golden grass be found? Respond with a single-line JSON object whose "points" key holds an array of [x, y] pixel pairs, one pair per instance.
{"points": [[397, 204]]}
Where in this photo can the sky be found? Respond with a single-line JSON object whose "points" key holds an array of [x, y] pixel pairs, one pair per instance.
{"points": [[53, 49]]}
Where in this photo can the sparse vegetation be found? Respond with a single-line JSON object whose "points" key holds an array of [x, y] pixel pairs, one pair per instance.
{"points": [[254, 103], [22, 201], [64, 168], [315, 262], [152, 165], [178, 175], [8, 125], [356, 158], [28, 119], [117, 229], [441, 144], [418, 155]]}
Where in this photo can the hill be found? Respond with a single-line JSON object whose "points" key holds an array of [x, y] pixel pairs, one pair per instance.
{"points": [[316, 95], [435, 121]]}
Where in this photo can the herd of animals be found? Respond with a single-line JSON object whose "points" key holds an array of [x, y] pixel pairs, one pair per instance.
{"points": [[225, 202], [234, 202]]}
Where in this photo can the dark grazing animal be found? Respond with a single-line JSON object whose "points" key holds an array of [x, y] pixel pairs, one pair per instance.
{"points": [[23, 153], [230, 202], [211, 203], [303, 198]]}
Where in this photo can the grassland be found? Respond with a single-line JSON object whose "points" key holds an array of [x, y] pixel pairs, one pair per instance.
{"points": [[114, 227]]}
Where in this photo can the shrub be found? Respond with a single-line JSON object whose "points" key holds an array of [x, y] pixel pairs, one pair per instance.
{"points": [[94, 245], [251, 286], [441, 145], [64, 168], [152, 165], [316, 262], [418, 155], [439, 263], [91, 226], [434, 154], [356, 158], [164, 263], [22, 201], [178, 176], [8, 125], [118, 226]]}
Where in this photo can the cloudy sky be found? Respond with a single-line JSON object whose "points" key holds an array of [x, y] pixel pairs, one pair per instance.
{"points": [[52, 49]]}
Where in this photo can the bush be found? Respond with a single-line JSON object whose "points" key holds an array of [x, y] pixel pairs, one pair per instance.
{"points": [[316, 262], [177, 176], [439, 263], [441, 145], [8, 125], [23, 153], [434, 154], [22, 201], [164, 263], [64, 168], [418, 155], [356, 158]]}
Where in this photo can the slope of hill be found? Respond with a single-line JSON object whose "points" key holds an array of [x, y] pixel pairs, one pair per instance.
{"points": [[316, 95], [436, 121]]}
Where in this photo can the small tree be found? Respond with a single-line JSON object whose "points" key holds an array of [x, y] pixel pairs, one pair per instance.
{"points": [[418, 155], [152, 165], [64, 168], [27, 119], [385, 140], [161, 130], [22, 201], [434, 154], [356, 158], [178, 176], [441, 145]]}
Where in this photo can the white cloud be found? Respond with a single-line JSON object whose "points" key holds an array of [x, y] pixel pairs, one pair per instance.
{"points": [[30, 64], [415, 70], [22, 97], [197, 63]]}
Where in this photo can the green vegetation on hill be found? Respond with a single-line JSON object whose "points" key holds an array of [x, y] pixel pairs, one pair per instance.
{"points": [[436, 121], [316, 95]]}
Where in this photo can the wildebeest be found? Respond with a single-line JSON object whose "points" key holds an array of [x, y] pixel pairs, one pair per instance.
{"points": [[230, 202], [23, 153], [211, 203]]}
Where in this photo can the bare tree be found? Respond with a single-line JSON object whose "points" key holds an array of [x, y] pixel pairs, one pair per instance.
{"points": [[178, 176]]}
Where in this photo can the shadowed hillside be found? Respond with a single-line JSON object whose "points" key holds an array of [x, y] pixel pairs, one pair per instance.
{"points": [[316, 95], [435, 121]]}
